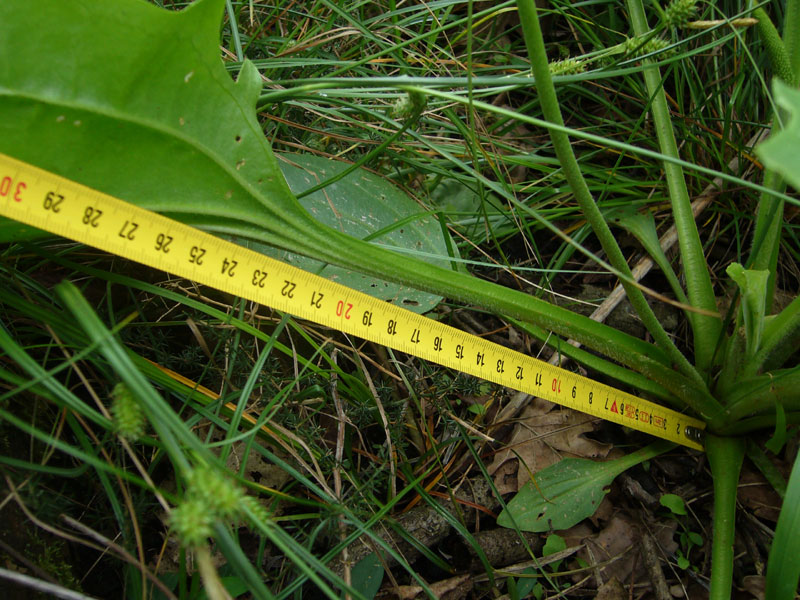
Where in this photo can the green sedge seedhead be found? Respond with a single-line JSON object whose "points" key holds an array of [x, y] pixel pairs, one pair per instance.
{"points": [[211, 496], [218, 492], [636, 46], [567, 66], [191, 522], [259, 513], [129, 418], [408, 104], [679, 12]]}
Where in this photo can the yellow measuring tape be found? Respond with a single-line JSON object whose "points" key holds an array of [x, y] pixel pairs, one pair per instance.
{"points": [[68, 209]]}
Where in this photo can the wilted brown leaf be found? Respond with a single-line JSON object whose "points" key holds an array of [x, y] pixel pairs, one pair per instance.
{"points": [[757, 495], [611, 590], [455, 588], [617, 545], [543, 435]]}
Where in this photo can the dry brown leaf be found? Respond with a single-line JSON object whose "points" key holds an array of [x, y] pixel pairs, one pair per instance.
{"points": [[543, 435], [758, 495], [755, 585], [257, 468], [611, 590], [455, 588], [618, 545], [615, 544]]}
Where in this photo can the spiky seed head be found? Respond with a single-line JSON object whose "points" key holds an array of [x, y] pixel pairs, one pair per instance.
{"points": [[219, 493], [407, 104], [128, 415], [191, 522], [679, 12], [636, 46], [567, 66], [260, 514]]}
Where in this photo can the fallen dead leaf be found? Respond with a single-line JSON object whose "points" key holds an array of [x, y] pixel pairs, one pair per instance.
{"points": [[611, 590], [543, 435], [755, 585], [455, 588], [617, 544], [758, 496]]}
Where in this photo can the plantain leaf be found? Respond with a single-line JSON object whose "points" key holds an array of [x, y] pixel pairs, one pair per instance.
{"points": [[367, 575], [559, 496], [568, 491], [151, 115], [133, 100], [364, 206]]}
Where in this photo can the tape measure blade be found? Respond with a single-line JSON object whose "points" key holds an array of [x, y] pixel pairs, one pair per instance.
{"points": [[68, 209]]}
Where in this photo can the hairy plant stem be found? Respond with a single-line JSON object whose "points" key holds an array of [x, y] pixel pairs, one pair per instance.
{"points": [[572, 172], [766, 238], [758, 395], [629, 351], [725, 456], [706, 330]]}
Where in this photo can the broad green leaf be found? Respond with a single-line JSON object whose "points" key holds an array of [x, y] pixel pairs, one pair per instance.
{"points": [[569, 491], [780, 152], [367, 576], [563, 494], [133, 100], [367, 207], [554, 543], [524, 586], [674, 503]]}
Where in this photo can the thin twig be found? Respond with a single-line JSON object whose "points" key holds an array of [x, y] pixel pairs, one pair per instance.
{"points": [[120, 551], [45, 587], [385, 423], [21, 559], [651, 560], [341, 418]]}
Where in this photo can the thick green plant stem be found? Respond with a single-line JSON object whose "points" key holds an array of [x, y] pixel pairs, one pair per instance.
{"points": [[725, 456], [706, 330], [572, 172], [629, 351]]}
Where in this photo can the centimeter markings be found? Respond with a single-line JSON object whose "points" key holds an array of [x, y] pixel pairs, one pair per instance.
{"points": [[68, 209]]}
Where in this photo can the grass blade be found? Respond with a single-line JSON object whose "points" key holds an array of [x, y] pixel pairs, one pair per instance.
{"points": [[783, 566]]}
